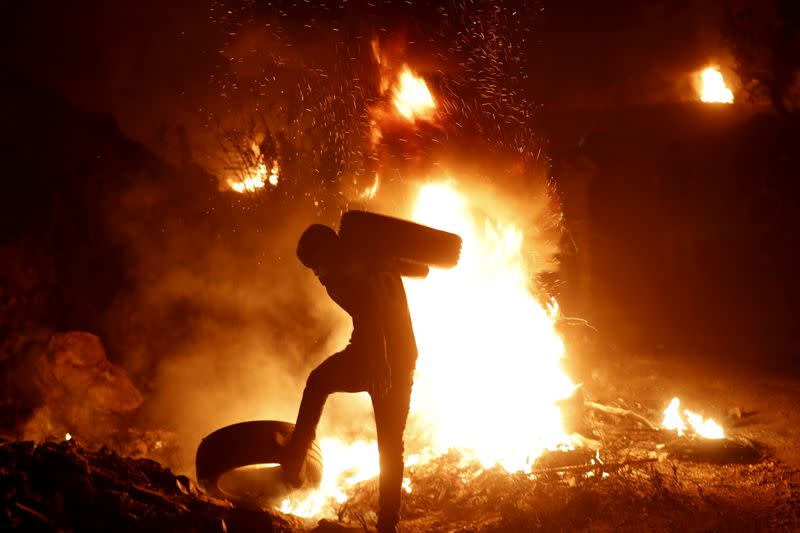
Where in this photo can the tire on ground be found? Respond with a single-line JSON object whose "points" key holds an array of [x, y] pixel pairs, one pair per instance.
{"points": [[386, 236], [258, 442]]}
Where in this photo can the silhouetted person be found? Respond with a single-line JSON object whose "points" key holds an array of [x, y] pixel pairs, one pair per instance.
{"points": [[379, 359]]}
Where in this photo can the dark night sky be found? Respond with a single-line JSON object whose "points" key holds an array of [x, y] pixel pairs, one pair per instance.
{"points": [[149, 62]]}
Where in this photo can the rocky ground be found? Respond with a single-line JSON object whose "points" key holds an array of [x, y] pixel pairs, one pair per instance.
{"points": [[65, 487], [648, 482]]}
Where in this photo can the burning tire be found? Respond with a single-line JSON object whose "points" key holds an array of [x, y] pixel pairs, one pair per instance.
{"points": [[241, 462], [393, 237]]}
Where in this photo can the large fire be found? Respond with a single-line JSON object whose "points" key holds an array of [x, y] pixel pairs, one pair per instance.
{"points": [[712, 87], [488, 374]]}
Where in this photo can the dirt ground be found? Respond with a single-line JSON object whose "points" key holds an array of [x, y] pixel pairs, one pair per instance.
{"points": [[756, 404], [759, 404]]}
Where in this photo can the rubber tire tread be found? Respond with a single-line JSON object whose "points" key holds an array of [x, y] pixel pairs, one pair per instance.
{"points": [[248, 443], [387, 236]]}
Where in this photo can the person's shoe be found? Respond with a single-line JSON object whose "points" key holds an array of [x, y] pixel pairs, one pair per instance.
{"points": [[291, 471], [329, 526], [387, 528], [292, 466]]}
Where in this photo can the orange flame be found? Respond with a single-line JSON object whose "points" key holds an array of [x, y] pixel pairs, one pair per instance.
{"points": [[257, 176], [489, 354], [370, 192], [411, 97], [681, 422], [713, 88]]}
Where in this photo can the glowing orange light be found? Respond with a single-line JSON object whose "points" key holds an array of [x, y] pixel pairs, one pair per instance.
{"points": [[713, 88], [370, 192], [257, 176], [411, 97], [680, 422], [489, 354]]}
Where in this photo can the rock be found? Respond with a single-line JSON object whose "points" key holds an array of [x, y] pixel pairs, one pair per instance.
{"points": [[19, 351], [81, 391]]}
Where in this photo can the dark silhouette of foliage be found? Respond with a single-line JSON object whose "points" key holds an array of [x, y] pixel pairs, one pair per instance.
{"points": [[764, 37]]}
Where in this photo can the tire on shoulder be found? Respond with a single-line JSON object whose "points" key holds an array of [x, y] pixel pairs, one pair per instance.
{"points": [[387, 236]]}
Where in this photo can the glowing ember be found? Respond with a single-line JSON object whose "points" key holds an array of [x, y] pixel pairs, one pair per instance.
{"points": [[67, 437], [411, 97], [713, 88], [680, 422], [488, 373], [257, 176]]}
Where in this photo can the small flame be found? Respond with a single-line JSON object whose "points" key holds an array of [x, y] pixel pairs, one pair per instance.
{"points": [[67, 437], [257, 176], [706, 428], [712, 87], [674, 420], [370, 192], [273, 174], [411, 97], [405, 97]]}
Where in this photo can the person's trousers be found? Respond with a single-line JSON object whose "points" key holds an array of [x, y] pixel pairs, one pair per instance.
{"points": [[345, 372]]}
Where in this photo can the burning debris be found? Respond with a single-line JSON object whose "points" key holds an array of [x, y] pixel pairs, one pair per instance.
{"points": [[254, 172], [703, 440], [676, 420]]}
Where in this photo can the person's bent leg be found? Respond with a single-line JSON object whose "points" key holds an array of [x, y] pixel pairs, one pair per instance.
{"points": [[335, 374]]}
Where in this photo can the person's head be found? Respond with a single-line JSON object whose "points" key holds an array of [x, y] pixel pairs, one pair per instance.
{"points": [[318, 247]]}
